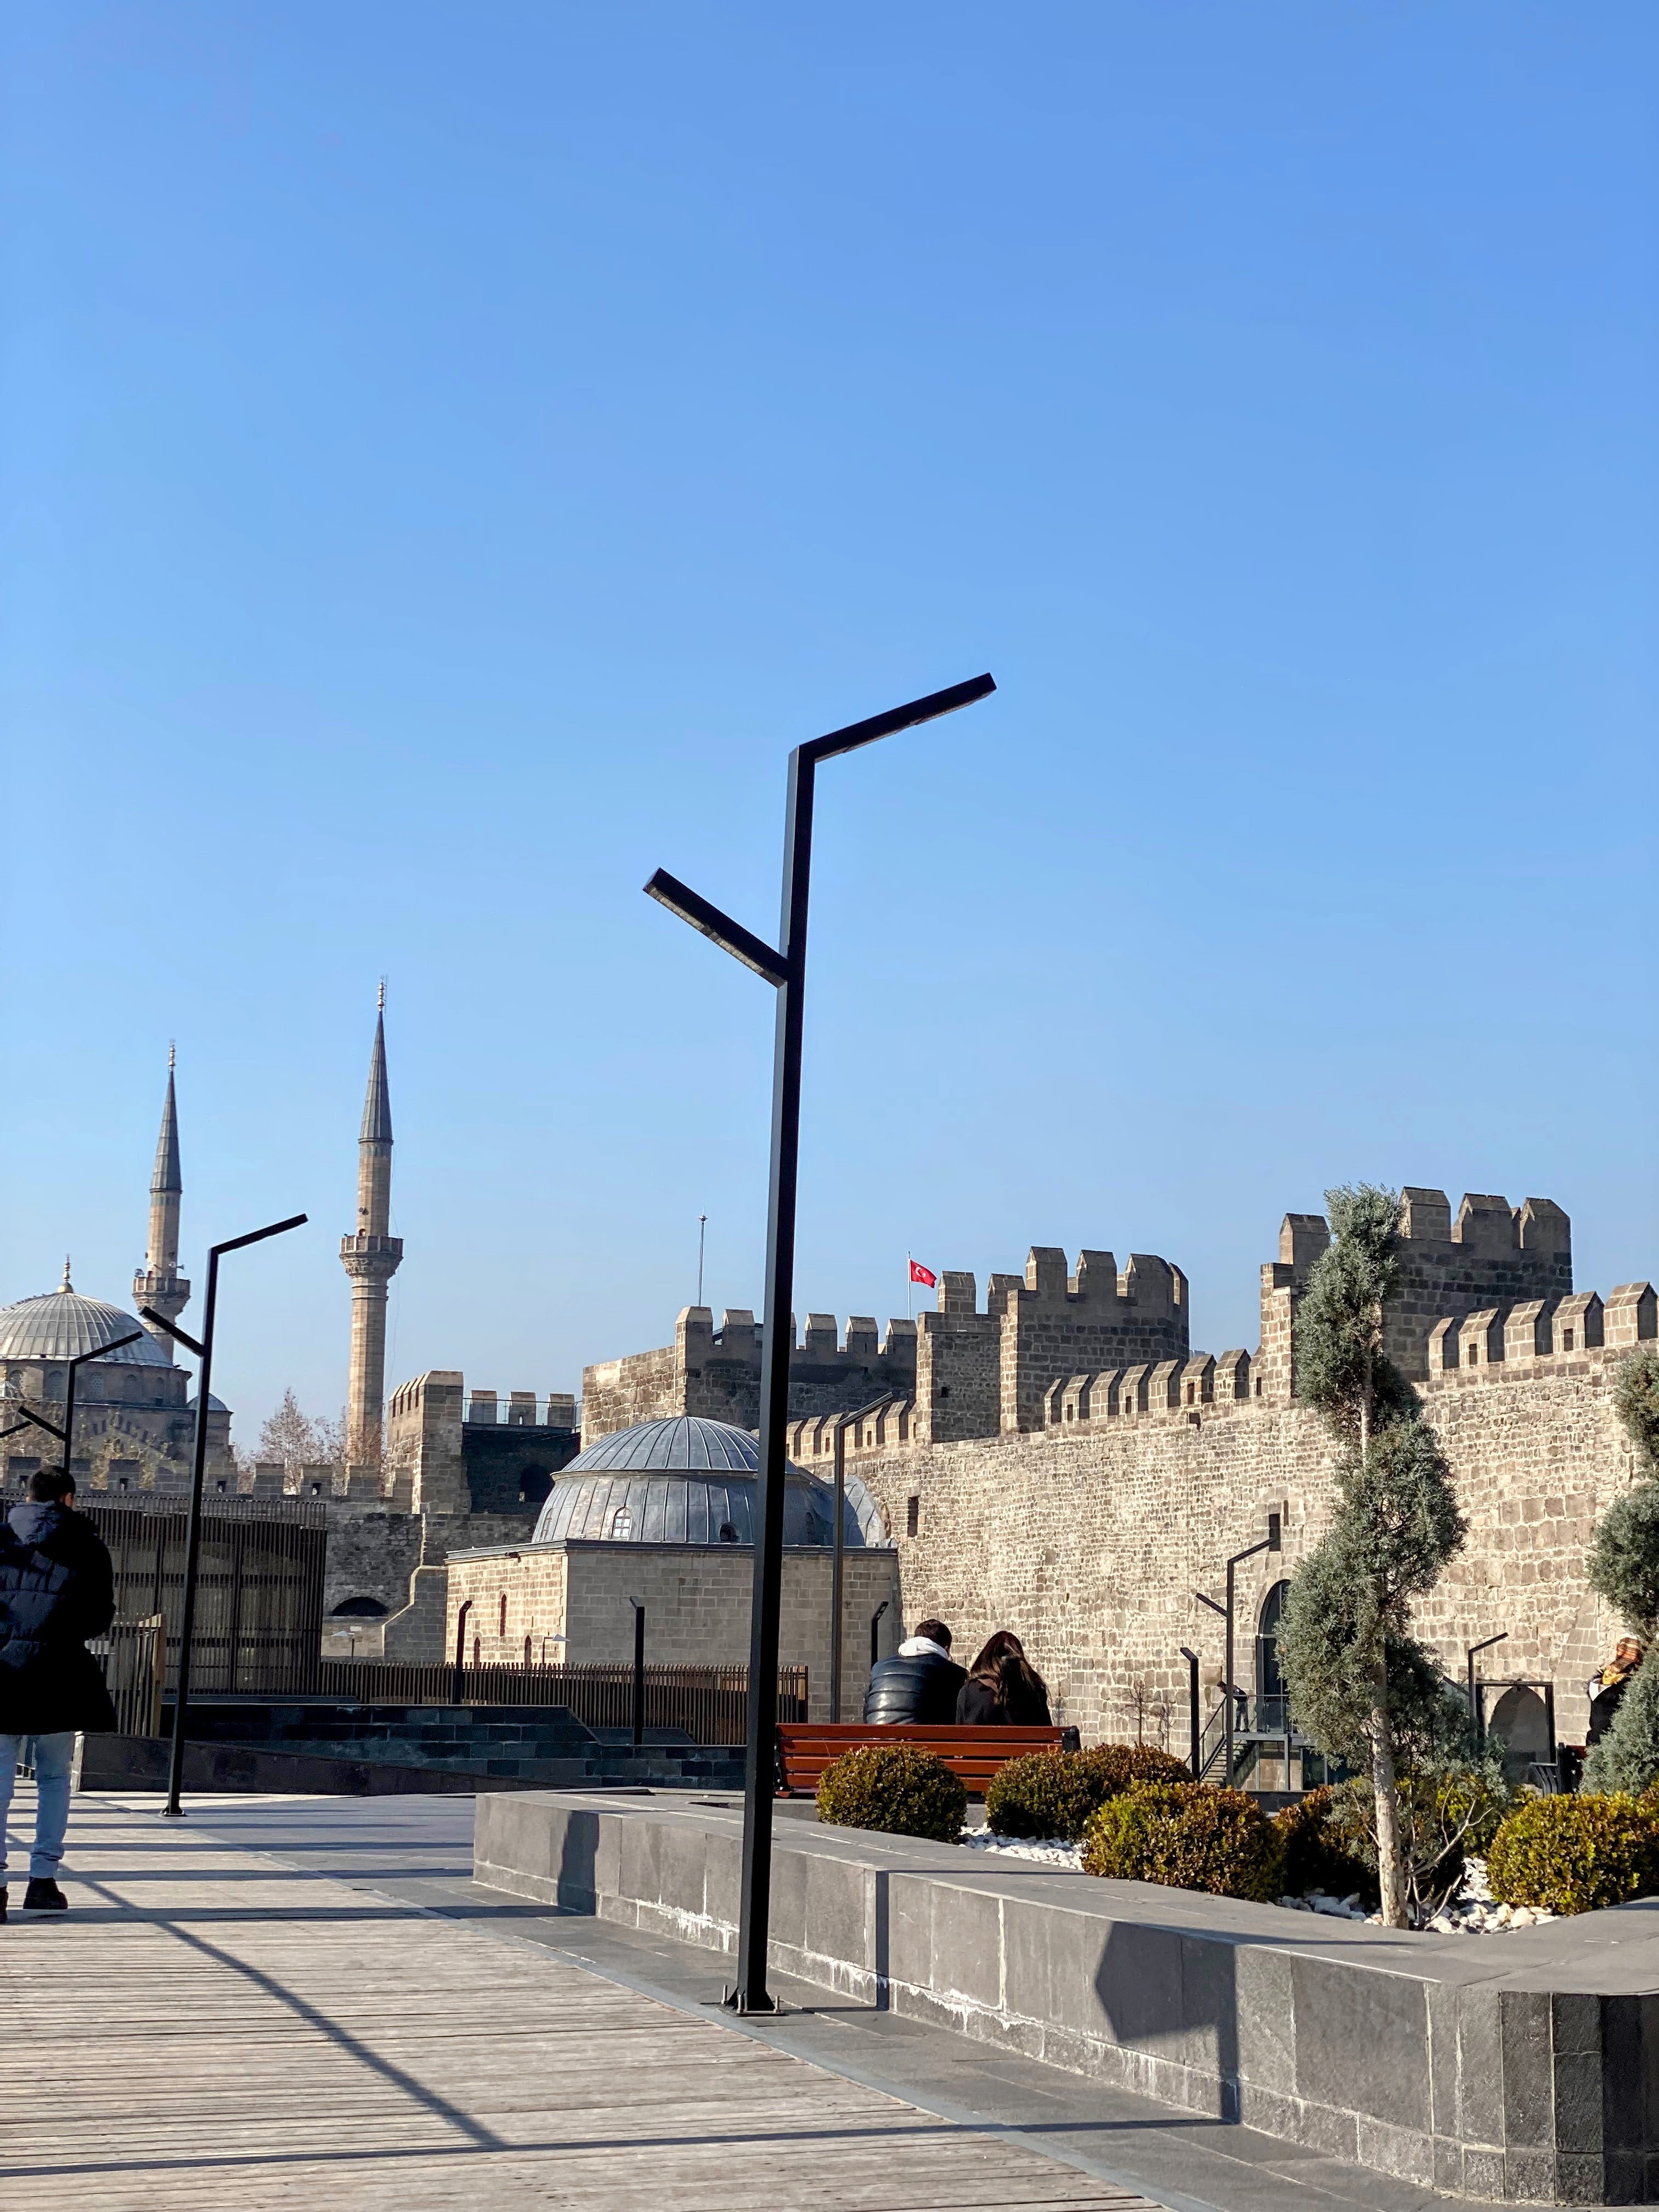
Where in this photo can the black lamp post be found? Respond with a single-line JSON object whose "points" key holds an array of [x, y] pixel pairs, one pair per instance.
{"points": [[1273, 1541], [1477, 1718], [172, 1810], [75, 1365], [786, 970]]}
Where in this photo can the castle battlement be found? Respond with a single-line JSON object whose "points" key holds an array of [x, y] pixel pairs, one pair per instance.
{"points": [[715, 1372], [1540, 1335]]}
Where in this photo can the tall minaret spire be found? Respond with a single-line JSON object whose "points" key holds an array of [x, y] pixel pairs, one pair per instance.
{"points": [[158, 1282], [371, 1258]]}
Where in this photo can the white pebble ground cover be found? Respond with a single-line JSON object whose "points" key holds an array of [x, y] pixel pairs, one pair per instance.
{"points": [[1472, 1913]]}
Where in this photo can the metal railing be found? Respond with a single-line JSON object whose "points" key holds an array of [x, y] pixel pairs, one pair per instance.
{"points": [[260, 1590], [133, 1654], [710, 1704]]}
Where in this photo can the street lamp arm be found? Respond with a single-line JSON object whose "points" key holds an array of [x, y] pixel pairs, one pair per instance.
{"points": [[258, 1236], [82, 1357], [899, 717], [1212, 1603], [177, 1334], [719, 928]]}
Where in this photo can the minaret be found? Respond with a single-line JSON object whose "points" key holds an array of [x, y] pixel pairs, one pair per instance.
{"points": [[370, 1259], [158, 1282]]}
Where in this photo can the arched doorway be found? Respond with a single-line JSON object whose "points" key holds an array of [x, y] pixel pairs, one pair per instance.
{"points": [[1273, 1712]]}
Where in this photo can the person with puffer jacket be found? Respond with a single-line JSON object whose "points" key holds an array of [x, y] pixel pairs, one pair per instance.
{"points": [[918, 1684], [57, 1588]]}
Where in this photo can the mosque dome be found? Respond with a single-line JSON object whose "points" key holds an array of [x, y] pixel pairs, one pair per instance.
{"points": [[61, 1324], [685, 1480]]}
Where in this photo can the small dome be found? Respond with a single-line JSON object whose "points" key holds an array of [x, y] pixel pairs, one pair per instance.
{"points": [[62, 1325], [686, 1480]]}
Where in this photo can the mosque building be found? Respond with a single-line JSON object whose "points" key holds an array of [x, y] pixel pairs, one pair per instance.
{"points": [[135, 1419]]}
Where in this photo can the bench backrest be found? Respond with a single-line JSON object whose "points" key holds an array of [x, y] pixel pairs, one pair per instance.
{"points": [[806, 1747]]}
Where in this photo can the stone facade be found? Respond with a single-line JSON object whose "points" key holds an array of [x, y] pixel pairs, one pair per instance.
{"points": [[716, 1373], [1090, 1534], [696, 1600]]}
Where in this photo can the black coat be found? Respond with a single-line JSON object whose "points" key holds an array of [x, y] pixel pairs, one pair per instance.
{"points": [[920, 1689], [57, 1588], [1603, 1706], [1013, 1700]]}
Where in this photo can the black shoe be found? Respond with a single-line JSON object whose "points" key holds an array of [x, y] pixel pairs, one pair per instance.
{"points": [[44, 1897]]}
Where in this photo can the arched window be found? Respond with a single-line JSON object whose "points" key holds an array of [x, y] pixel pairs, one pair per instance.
{"points": [[527, 1651], [621, 1524], [1269, 1681], [501, 1627]]}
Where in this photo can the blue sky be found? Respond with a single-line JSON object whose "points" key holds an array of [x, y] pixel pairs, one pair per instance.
{"points": [[450, 455]]}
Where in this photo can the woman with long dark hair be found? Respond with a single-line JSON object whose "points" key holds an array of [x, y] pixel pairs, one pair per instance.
{"points": [[1003, 1689]]}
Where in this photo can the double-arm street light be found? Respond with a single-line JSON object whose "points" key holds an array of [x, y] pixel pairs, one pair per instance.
{"points": [[75, 1365], [172, 1809], [785, 967]]}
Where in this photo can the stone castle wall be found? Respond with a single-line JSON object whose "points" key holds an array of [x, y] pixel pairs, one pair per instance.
{"points": [[1091, 1539]]}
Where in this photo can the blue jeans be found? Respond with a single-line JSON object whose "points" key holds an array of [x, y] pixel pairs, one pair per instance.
{"points": [[52, 1759]]}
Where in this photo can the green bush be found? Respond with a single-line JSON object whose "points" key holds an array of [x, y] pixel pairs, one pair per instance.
{"points": [[1187, 1835], [1316, 1855], [896, 1787], [1053, 1793], [1576, 1854]]}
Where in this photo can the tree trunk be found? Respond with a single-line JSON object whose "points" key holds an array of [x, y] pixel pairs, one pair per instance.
{"points": [[1390, 1873]]}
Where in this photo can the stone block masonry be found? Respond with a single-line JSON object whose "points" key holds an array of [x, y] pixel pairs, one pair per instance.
{"points": [[697, 1599], [1091, 1539], [716, 1373]]}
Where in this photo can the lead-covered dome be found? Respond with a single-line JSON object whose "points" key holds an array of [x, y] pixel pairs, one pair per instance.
{"points": [[62, 1325], [686, 1480]]}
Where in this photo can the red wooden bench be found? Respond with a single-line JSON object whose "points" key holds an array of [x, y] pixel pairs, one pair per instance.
{"points": [[806, 1747]]}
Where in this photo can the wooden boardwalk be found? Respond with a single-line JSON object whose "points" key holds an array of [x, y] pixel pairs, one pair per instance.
{"points": [[206, 2029]]}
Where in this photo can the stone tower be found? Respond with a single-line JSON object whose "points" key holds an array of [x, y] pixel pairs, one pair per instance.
{"points": [[158, 1282], [371, 1258]]}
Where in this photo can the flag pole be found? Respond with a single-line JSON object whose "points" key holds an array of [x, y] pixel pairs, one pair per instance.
{"points": [[909, 1288]]}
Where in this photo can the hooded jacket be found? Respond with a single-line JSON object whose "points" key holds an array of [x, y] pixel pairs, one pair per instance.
{"points": [[918, 1685], [57, 1588]]}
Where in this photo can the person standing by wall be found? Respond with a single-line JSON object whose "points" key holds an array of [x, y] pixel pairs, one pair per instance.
{"points": [[1606, 1690], [57, 1588]]}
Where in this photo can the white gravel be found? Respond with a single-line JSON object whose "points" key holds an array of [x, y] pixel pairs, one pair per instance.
{"points": [[1472, 1913]]}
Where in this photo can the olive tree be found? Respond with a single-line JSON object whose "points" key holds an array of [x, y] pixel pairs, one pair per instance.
{"points": [[1355, 1674]]}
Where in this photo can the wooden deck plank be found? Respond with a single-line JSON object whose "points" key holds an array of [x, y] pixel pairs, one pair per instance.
{"points": [[208, 2033]]}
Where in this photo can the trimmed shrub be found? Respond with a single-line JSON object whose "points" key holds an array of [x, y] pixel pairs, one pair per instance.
{"points": [[1053, 1793], [1316, 1855], [1187, 1835], [1576, 1854], [896, 1787]]}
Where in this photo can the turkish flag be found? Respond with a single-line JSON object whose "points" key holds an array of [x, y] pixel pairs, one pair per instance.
{"points": [[920, 1274]]}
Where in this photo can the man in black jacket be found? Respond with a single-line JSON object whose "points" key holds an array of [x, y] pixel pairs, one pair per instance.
{"points": [[919, 1683], [57, 1588]]}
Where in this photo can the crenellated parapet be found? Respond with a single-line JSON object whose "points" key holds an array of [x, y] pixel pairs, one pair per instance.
{"points": [[715, 1372], [1492, 1258], [1541, 1336], [1179, 1390], [988, 1374]]}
